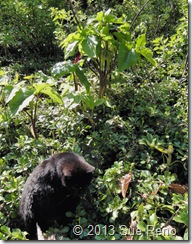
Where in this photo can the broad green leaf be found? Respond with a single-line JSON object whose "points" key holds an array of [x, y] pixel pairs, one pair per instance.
{"points": [[70, 49], [11, 91], [107, 103], [99, 102], [89, 101], [21, 100], [83, 79], [89, 46], [153, 219], [76, 98], [69, 39], [141, 42], [126, 58], [5, 230], [148, 54], [182, 216], [110, 18], [124, 27], [40, 86], [100, 16], [122, 36], [141, 225], [52, 94], [63, 68]]}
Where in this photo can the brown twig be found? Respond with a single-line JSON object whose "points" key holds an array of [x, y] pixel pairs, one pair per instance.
{"points": [[144, 5]]}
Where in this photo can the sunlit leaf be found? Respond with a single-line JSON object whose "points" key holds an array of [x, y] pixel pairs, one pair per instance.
{"points": [[141, 42], [153, 219], [52, 94], [21, 100], [63, 68], [182, 216], [89, 45], [126, 58], [148, 54], [70, 49]]}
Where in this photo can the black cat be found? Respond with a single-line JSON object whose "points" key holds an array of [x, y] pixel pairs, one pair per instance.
{"points": [[52, 189]]}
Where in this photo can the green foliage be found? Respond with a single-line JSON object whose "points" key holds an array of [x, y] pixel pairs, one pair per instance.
{"points": [[106, 48], [23, 95], [15, 234], [124, 109]]}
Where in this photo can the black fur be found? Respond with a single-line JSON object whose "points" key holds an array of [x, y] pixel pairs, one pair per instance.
{"points": [[52, 189]]}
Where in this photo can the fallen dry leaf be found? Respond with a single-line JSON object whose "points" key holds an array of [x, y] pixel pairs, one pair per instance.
{"points": [[179, 188], [125, 180]]}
